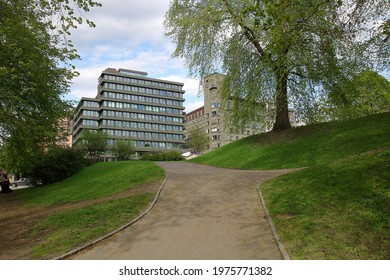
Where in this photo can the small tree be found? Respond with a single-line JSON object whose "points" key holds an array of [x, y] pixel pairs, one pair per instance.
{"points": [[197, 139], [122, 149], [94, 143]]}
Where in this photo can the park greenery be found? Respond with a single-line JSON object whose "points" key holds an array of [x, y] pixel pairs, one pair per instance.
{"points": [[365, 94], [278, 53], [314, 56], [334, 208], [172, 155], [303, 146], [94, 143], [197, 139], [36, 69], [122, 149], [337, 206], [69, 228], [334, 211]]}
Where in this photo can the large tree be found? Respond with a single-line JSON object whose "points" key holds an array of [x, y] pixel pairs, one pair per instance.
{"points": [[35, 70], [277, 52]]}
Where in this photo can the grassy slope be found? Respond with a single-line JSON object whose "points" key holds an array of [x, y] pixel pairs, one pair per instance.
{"points": [[338, 210], [303, 146], [339, 207], [95, 181], [68, 229]]}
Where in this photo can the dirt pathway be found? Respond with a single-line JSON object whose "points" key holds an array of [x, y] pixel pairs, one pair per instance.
{"points": [[203, 213]]}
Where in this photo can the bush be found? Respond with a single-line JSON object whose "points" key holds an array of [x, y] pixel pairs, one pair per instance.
{"points": [[163, 156], [58, 164]]}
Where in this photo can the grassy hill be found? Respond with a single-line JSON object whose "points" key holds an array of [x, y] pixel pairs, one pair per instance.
{"points": [[338, 207], [303, 146], [88, 205], [98, 180]]}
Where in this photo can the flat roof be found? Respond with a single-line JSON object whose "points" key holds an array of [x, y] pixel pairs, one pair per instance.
{"points": [[139, 74]]}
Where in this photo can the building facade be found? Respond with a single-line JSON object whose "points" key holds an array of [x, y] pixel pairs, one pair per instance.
{"points": [[214, 121], [131, 106]]}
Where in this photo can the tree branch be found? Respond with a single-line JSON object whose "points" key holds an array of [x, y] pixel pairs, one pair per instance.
{"points": [[248, 33]]}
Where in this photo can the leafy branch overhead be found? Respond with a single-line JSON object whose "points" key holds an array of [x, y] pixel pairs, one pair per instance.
{"points": [[283, 52], [36, 68]]}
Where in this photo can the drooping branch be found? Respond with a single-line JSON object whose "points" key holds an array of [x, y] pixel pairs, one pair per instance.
{"points": [[249, 34]]}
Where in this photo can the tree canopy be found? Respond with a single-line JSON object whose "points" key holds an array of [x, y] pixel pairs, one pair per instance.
{"points": [[365, 94], [279, 52], [35, 70], [122, 149]]}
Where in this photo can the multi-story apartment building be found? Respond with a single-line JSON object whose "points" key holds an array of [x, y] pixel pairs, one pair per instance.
{"points": [[212, 118], [64, 136], [195, 118], [131, 106]]}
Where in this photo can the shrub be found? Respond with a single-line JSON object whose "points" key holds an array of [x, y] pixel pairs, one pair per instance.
{"points": [[163, 156], [59, 163]]}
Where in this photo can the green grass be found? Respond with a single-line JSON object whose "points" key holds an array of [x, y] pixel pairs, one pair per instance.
{"points": [[338, 207], [96, 181], [70, 229], [338, 210], [303, 146]]}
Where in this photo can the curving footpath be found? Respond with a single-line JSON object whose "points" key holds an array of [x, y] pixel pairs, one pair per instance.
{"points": [[203, 213]]}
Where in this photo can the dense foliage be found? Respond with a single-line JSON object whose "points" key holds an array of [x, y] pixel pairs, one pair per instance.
{"points": [[365, 94], [279, 52], [35, 73], [58, 164]]}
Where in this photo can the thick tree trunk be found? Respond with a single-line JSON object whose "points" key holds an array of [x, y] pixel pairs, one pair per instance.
{"points": [[282, 121]]}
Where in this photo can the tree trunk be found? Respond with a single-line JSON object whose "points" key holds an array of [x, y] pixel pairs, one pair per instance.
{"points": [[282, 121]]}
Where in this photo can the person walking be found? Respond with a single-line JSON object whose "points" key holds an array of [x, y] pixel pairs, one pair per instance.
{"points": [[5, 185]]}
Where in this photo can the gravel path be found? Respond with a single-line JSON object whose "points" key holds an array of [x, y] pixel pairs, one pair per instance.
{"points": [[203, 213]]}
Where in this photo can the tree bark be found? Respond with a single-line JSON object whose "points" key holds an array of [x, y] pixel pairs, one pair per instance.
{"points": [[282, 120]]}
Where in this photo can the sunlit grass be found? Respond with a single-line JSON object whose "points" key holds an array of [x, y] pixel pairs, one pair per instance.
{"points": [[96, 181], [339, 210], [70, 229], [303, 146]]}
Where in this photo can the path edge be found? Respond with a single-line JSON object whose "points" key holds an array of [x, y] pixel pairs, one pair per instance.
{"points": [[94, 242], [273, 228]]}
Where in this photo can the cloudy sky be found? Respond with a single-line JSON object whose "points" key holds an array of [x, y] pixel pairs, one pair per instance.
{"points": [[129, 34]]}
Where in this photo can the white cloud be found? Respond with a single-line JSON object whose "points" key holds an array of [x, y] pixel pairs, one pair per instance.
{"points": [[124, 24], [128, 34]]}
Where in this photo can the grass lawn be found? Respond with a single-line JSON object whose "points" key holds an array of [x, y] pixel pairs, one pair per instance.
{"points": [[338, 207], [70, 229], [339, 210], [96, 181], [67, 229], [303, 146]]}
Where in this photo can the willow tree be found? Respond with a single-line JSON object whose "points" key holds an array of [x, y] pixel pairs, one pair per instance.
{"points": [[36, 69], [277, 52]]}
